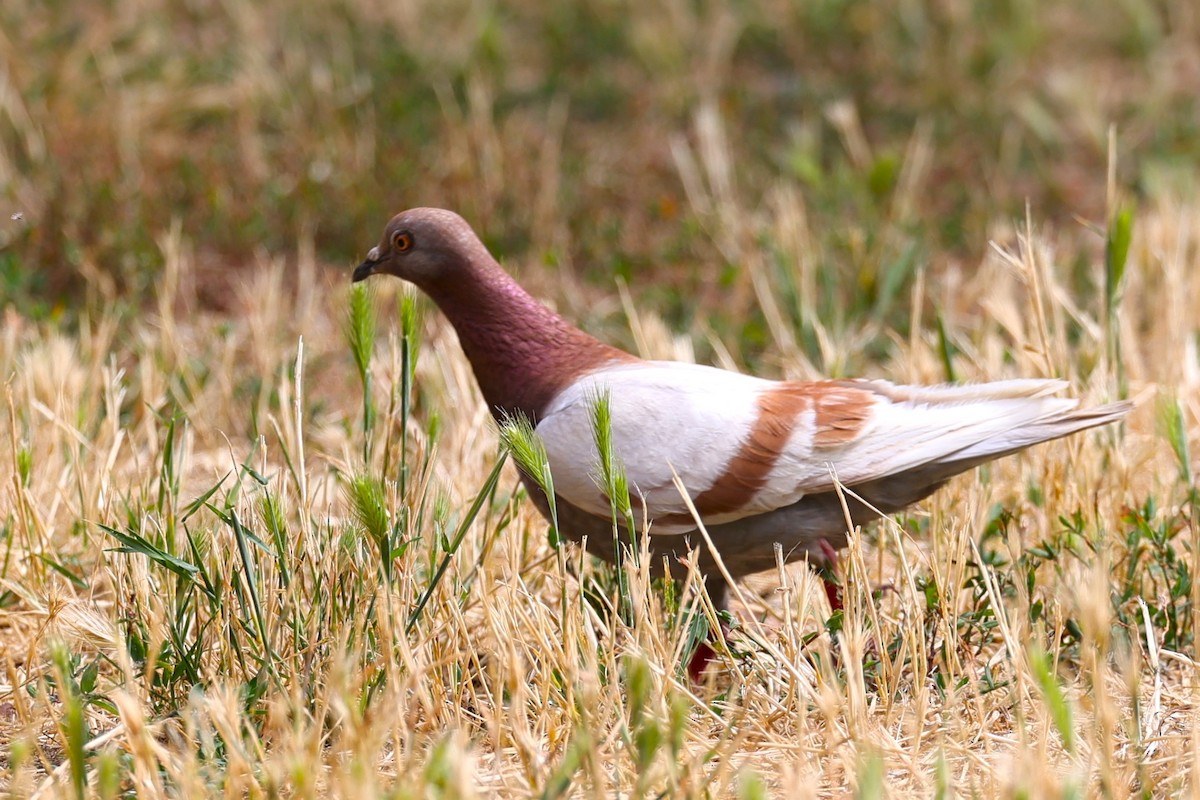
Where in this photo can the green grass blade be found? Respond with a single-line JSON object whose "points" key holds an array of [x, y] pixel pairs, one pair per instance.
{"points": [[560, 780], [612, 479], [133, 543], [489, 487], [368, 502], [73, 727], [945, 349], [1116, 253], [76, 581], [201, 501], [250, 574], [1042, 665], [1171, 420], [529, 451], [871, 776], [409, 346], [360, 328]]}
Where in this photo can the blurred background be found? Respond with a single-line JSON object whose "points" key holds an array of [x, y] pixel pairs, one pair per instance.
{"points": [[660, 142]]}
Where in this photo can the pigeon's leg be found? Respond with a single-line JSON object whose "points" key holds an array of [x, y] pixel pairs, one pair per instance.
{"points": [[826, 568], [700, 660], [718, 592]]}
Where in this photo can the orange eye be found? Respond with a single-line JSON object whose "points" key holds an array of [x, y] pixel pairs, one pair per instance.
{"points": [[402, 241]]}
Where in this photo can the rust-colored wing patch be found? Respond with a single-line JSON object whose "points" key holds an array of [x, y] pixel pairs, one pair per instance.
{"points": [[842, 411], [746, 473], [839, 413]]}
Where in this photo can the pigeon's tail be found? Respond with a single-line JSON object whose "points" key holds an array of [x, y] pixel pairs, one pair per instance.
{"points": [[981, 423], [936, 431], [1042, 429]]}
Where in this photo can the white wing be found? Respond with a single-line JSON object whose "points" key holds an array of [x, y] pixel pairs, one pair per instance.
{"points": [[745, 446]]}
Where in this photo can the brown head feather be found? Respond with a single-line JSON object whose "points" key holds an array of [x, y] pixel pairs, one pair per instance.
{"points": [[523, 354]]}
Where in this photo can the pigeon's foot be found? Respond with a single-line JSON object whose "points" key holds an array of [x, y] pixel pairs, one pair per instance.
{"points": [[705, 654], [827, 569], [699, 662]]}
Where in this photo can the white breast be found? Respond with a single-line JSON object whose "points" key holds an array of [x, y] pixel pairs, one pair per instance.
{"points": [[664, 414]]}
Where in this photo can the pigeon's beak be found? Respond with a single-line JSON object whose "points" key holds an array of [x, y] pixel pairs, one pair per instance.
{"points": [[367, 268], [363, 271]]}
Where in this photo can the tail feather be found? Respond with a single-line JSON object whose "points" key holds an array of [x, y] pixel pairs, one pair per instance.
{"points": [[941, 430], [960, 393], [894, 491], [1042, 430]]}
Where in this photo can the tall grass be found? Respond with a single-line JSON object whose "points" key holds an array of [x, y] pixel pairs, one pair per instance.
{"points": [[196, 606]]}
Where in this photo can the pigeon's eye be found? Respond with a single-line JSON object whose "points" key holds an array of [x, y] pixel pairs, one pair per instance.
{"points": [[402, 241]]}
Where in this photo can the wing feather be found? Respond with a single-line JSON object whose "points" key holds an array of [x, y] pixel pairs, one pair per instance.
{"points": [[746, 446]]}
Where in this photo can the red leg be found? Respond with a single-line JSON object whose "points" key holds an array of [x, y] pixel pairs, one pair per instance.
{"points": [[703, 656], [718, 592], [825, 565], [827, 570]]}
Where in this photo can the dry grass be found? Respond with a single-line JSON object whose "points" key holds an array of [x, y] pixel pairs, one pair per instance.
{"points": [[220, 568], [512, 681]]}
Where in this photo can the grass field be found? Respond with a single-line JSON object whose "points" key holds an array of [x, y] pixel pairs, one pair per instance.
{"points": [[257, 534]]}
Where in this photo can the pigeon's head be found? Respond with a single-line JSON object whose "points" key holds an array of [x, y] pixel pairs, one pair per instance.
{"points": [[424, 246]]}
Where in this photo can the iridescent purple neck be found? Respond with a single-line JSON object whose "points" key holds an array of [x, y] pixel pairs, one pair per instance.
{"points": [[523, 354]]}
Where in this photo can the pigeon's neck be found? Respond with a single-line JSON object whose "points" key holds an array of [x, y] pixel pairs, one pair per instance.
{"points": [[523, 354]]}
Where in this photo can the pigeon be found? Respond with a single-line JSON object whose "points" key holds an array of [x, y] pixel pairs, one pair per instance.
{"points": [[763, 461]]}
